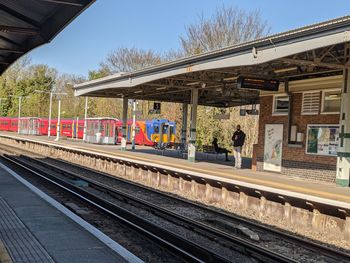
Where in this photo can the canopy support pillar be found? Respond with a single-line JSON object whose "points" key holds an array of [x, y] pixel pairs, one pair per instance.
{"points": [[125, 122], [343, 160], [192, 144], [184, 123]]}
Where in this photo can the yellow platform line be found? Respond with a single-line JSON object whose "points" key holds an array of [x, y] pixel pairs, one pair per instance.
{"points": [[228, 175], [268, 183]]}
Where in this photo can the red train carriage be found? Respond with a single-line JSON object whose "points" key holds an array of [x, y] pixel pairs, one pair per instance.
{"points": [[5, 124], [149, 131], [40, 126], [13, 125], [140, 132], [29, 126], [101, 130]]}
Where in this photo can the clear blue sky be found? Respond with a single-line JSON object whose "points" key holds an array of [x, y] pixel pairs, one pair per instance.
{"points": [[157, 24]]}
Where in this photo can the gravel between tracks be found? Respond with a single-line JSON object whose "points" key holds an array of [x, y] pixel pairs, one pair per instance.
{"points": [[136, 243], [267, 240]]}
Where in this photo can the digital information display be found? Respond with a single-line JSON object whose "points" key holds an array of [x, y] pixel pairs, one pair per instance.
{"points": [[260, 84]]}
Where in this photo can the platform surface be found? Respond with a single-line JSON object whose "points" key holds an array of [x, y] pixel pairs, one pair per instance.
{"points": [[217, 168], [34, 231]]}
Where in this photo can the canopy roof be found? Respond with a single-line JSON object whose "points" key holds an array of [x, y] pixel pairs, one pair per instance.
{"points": [[311, 51], [26, 24]]}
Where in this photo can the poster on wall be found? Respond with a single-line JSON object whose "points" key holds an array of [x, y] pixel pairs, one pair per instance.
{"points": [[322, 139], [273, 147]]}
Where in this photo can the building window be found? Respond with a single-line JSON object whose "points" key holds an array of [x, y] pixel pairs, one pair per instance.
{"points": [[311, 103], [331, 100], [280, 104]]}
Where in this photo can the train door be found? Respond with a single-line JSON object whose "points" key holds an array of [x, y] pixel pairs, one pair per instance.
{"points": [[116, 134], [74, 129], [129, 133], [139, 134], [30, 126], [35, 126], [164, 132], [171, 133], [156, 135]]}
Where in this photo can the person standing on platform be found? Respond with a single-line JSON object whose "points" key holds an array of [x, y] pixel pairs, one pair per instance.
{"points": [[238, 141]]}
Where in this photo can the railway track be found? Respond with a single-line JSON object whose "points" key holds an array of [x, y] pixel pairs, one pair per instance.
{"points": [[190, 251], [318, 251], [179, 246], [253, 249]]}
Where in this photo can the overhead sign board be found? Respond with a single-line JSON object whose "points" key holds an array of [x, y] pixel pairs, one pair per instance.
{"points": [[222, 117], [156, 108], [260, 84]]}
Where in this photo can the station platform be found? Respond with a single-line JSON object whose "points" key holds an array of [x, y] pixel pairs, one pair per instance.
{"points": [[36, 228], [215, 169]]}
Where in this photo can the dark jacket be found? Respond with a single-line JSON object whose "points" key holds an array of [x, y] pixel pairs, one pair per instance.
{"points": [[216, 146], [238, 138]]}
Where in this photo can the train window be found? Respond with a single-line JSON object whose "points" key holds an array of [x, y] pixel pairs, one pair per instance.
{"points": [[171, 129], [108, 132], [69, 126], [137, 130], [156, 129], [64, 126], [165, 128]]}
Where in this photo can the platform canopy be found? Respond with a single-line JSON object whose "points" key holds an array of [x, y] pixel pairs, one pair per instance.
{"points": [[27, 24], [307, 52]]}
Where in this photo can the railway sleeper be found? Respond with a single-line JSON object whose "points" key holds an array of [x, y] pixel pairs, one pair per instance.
{"points": [[291, 210]]}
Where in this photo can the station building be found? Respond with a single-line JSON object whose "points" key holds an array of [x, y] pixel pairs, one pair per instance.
{"points": [[299, 131], [304, 113]]}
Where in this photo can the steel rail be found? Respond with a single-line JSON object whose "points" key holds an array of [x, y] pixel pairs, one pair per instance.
{"points": [[318, 248], [240, 245], [178, 245]]}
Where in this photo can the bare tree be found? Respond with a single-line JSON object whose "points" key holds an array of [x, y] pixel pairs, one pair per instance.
{"points": [[130, 59], [226, 27]]}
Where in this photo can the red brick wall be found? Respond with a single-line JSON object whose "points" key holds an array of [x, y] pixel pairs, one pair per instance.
{"points": [[292, 153]]}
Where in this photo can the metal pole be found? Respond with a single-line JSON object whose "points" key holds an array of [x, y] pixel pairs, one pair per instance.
{"points": [[49, 129], [184, 123], [19, 113], [133, 124], [58, 120], [192, 145], [77, 129], [343, 150], [125, 120], [85, 116]]}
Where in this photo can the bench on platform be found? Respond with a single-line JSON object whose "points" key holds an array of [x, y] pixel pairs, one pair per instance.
{"points": [[181, 148], [209, 149]]}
